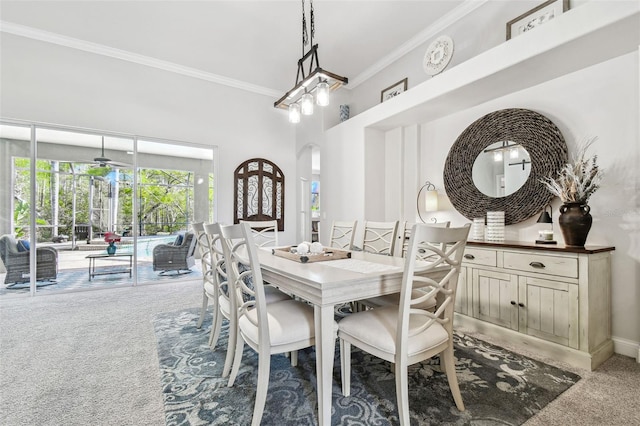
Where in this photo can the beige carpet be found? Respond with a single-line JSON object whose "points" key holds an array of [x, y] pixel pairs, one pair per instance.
{"points": [[90, 358]]}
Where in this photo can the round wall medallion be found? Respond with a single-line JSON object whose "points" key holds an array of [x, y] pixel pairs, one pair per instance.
{"points": [[438, 55]]}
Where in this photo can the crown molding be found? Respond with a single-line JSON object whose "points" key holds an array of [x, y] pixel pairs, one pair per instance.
{"points": [[431, 31], [100, 49]]}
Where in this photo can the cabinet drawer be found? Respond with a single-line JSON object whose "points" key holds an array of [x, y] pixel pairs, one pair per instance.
{"points": [[551, 265], [473, 256]]}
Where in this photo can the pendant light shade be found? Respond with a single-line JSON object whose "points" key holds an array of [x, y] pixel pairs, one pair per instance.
{"points": [[294, 113], [311, 79], [306, 102], [322, 93]]}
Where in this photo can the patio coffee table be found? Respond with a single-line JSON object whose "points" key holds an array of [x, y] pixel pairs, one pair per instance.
{"points": [[107, 270]]}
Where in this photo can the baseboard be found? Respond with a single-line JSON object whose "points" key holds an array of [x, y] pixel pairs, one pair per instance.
{"points": [[626, 347], [580, 359]]}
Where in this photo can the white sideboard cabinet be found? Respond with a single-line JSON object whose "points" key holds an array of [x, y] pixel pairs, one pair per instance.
{"points": [[554, 300]]}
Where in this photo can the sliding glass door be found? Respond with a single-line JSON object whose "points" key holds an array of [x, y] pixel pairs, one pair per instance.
{"points": [[90, 207], [174, 189]]}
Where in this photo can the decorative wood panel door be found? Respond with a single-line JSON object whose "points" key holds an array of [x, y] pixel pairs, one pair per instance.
{"points": [[549, 310], [259, 195], [493, 294]]}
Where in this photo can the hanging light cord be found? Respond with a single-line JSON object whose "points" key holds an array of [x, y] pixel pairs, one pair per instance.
{"points": [[313, 25], [305, 33]]}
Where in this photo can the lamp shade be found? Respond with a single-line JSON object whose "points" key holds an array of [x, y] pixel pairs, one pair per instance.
{"points": [[322, 93], [545, 217], [306, 102], [431, 201], [294, 113]]}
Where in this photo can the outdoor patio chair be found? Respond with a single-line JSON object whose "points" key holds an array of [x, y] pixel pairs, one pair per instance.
{"points": [[175, 257], [17, 262], [82, 232]]}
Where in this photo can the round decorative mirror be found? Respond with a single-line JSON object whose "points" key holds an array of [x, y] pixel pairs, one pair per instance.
{"points": [[501, 169], [497, 162]]}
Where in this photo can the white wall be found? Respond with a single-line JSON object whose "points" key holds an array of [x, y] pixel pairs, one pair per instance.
{"points": [[49, 83], [480, 30], [599, 101], [342, 179]]}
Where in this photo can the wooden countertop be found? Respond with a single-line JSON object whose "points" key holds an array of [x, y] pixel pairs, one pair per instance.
{"points": [[546, 247]]}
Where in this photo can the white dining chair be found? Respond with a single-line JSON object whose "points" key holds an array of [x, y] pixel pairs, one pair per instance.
{"points": [[379, 237], [405, 334], [202, 247], [218, 292], [268, 328], [394, 299], [265, 232], [227, 302], [342, 234]]}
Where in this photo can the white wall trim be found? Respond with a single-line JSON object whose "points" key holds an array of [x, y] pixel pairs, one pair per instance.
{"points": [[431, 31], [100, 49], [626, 347]]}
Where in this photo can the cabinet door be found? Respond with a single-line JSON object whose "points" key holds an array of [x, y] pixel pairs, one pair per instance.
{"points": [[463, 293], [495, 296], [549, 310]]}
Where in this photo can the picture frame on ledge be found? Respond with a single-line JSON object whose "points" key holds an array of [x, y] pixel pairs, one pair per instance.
{"points": [[535, 17], [393, 90]]}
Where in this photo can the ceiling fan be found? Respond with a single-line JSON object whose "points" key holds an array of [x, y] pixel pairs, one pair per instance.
{"points": [[103, 161]]}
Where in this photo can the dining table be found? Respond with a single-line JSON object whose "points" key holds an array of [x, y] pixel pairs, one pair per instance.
{"points": [[326, 284]]}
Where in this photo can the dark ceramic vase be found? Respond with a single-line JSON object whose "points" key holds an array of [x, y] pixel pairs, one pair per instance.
{"points": [[575, 223], [111, 248]]}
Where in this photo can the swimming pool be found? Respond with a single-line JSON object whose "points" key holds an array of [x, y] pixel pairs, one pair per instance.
{"points": [[146, 244]]}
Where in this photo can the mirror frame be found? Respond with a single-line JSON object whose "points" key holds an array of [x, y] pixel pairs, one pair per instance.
{"points": [[536, 133]]}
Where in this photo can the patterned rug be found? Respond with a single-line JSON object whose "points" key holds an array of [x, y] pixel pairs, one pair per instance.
{"points": [[498, 387], [76, 279]]}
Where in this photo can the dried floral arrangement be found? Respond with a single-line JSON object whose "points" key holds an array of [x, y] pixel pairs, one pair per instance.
{"points": [[577, 181]]}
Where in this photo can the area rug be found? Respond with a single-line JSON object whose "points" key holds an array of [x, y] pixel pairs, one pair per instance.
{"points": [[498, 387], [76, 279]]}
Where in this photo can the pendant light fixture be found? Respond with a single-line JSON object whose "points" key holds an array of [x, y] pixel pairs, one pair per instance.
{"points": [[310, 81]]}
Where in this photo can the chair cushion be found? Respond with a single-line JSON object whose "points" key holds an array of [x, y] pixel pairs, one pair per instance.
{"points": [[179, 239], [272, 294], [23, 245], [223, 303], [209, 288], [377, 328], [289, 321], [394, 300]]}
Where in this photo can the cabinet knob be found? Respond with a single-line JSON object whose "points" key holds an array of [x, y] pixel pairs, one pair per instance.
{"points": [[521, 305], [513, 302], [469, 256], [537, 264]]}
